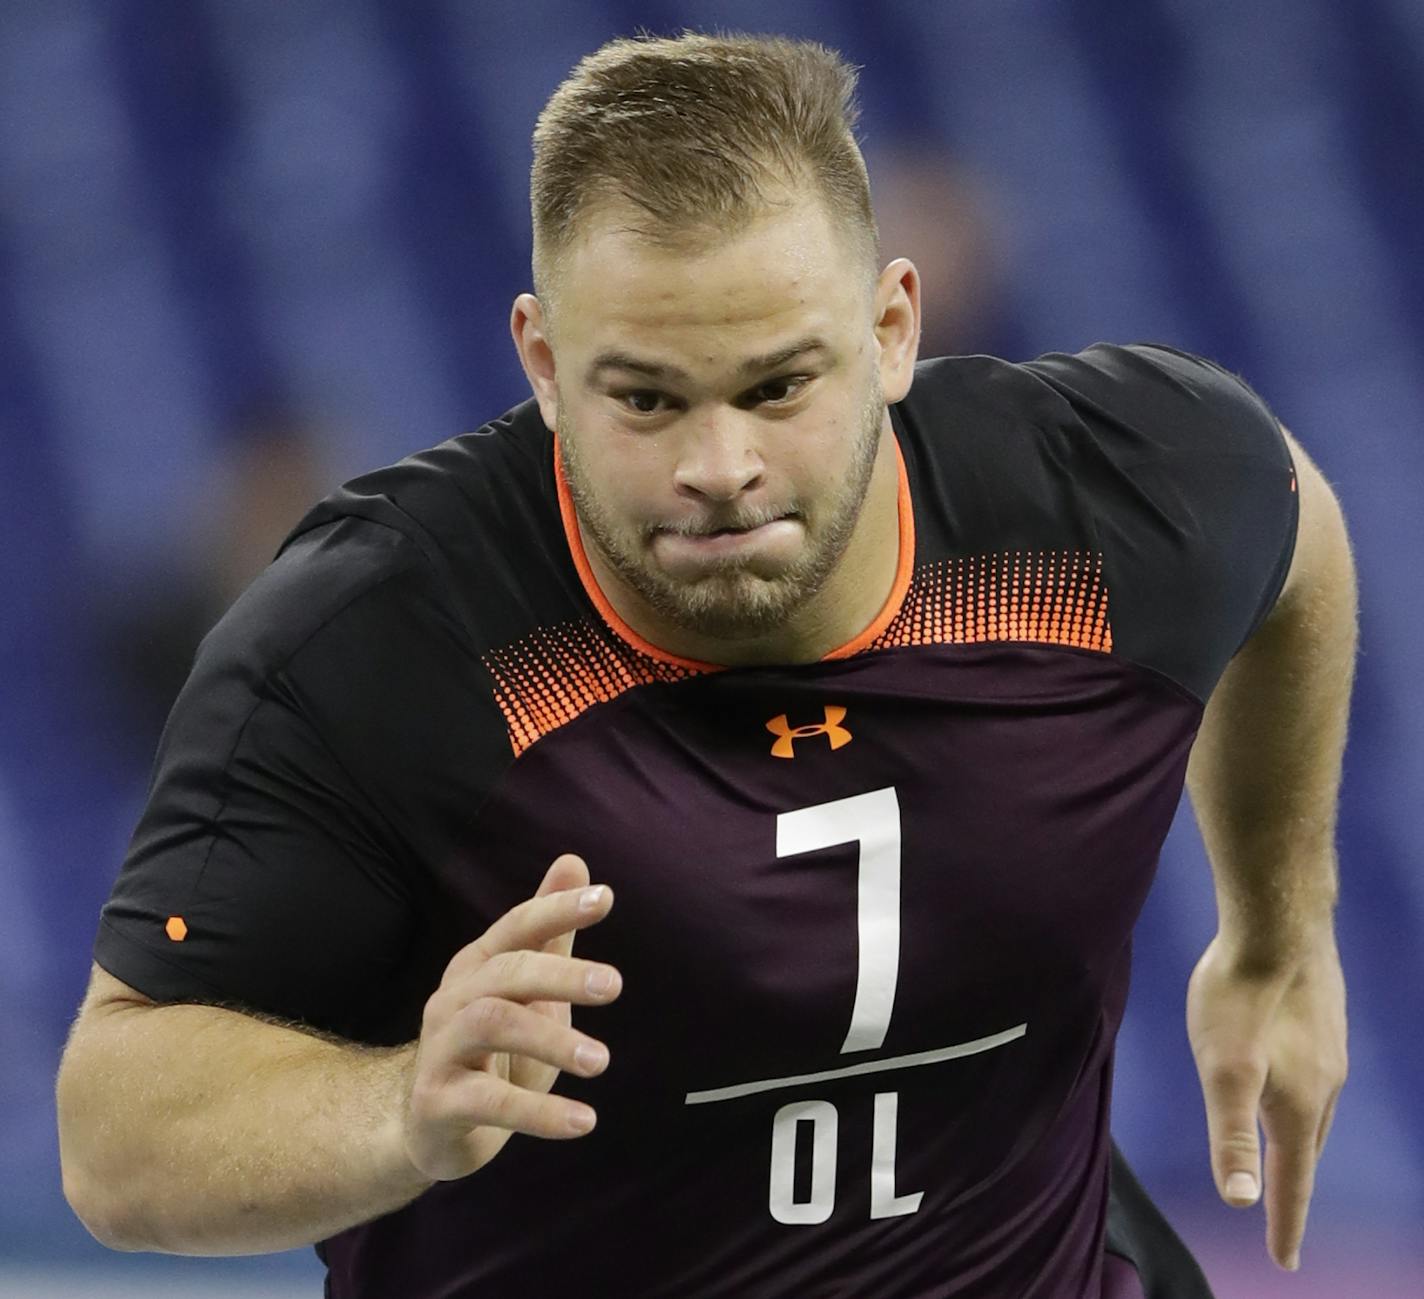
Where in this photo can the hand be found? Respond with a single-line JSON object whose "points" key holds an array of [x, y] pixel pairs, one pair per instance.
{"points": [[1269, 1046], [496, 1033]]}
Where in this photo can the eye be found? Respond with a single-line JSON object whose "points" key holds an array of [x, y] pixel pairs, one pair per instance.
{"points": [[775, 391], [641, 401]]}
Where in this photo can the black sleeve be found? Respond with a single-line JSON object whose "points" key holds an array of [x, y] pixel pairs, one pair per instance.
{"points": [[1194, 498], [266, 872]]}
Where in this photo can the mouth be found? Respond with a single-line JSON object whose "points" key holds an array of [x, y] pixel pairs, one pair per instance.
{"points": [[773, 540], [695, 533], [732, 532]]}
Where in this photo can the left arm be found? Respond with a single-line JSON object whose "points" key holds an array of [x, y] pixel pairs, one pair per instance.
{"points": [[1266, 1005]]}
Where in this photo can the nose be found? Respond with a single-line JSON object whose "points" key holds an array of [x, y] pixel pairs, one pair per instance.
{"points": [[719, 458]]}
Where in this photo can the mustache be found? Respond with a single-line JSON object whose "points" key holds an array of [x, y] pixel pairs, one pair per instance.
{"points": [[742, 521]]}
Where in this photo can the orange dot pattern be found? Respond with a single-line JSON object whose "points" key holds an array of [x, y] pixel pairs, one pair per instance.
{"points": [[1056, 597], [557, 673]]}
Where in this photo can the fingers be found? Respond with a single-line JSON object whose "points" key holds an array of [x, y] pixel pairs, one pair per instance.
{"points": [[1294, 1125], [493, 1025], [497, 1031], [565, 872], [532, 976], [480, 1101], [1290, 1177], [554, 913], [1296, 1122], [1326, 1120], [1271, 1049], [501, 1008], [1233, 1098]]}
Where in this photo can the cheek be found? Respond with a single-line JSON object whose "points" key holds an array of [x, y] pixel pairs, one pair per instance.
{"points": [[819, 456], [628, 479]]}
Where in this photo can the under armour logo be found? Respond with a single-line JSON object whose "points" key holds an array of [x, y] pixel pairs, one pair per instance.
{"points": [[786, 735]]}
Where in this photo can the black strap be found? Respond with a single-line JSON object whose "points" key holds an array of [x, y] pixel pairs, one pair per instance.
{"points": [[1137, 1232]]}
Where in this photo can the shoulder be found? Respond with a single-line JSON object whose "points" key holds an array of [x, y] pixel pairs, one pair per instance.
{"points": [[1147, 398], [1168, 400], [399, 558], [476, 517], [1162, 467], [479, 484], [1119, 428]]}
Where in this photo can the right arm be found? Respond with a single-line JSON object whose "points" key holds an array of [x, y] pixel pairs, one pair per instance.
{"points": [[195, 1130], [191, 1129]]}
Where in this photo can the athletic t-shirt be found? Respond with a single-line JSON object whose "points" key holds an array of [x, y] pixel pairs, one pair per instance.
{"points": [[873, 913]]}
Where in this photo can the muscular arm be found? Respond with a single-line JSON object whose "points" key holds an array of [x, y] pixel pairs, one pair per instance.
{"points": [[194, 1130], [1265, 770], [1266, 1002]]}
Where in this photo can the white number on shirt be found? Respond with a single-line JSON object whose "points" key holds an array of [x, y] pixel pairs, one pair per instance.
{"points": [[873, 821]]}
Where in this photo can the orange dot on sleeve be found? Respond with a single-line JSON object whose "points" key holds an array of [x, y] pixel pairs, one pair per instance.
{"points": [[176, 928]]}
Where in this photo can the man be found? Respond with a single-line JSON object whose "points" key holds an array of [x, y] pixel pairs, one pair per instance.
{"points": [[872, 720]]}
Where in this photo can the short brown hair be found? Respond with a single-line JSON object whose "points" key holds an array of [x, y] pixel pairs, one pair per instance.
{"points": [[699, 132]]}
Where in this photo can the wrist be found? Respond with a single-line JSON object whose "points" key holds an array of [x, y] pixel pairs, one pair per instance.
{"points": [[1277, 953], [390, 1151]]}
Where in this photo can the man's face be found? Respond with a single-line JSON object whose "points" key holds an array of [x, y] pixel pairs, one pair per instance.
{"points": [[720, 413]]}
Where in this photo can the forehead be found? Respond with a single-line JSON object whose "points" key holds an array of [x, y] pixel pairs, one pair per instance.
{"points": [[710, 297]]}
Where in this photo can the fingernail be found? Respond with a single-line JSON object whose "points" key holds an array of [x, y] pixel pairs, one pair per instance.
{"points": [[581, 1118], [590, 898], [1241, 1186], [599, 980], [1294, 1263], [589, 1057]]}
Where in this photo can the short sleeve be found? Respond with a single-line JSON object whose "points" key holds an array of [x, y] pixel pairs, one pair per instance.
{"points": [[263, 873], [1193, 495]]}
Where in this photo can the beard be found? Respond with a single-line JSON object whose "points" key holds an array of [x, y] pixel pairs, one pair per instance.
{"points": [[731, 599]]}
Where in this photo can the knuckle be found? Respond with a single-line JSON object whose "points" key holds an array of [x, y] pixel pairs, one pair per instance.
{"points": [[1301, 1098], [1238, 1141], [487, 1017], [473, 954], [1233, 1083], [1232, 1075], [425, 1098], [434, 1106], [513, 966], [498, 1104], [437, 1007], [1288, 1102]]}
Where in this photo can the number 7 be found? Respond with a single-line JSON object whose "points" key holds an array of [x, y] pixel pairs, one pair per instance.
{"points": [[873, 821]]}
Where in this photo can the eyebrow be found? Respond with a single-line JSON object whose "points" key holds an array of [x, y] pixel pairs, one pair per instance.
{"points": [[661, 370]]}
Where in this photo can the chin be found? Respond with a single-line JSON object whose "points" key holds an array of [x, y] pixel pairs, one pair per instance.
{"points": [[744, 615]]}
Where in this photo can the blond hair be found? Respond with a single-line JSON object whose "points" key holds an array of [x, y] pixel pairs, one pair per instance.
{"points": [[701, 134]]}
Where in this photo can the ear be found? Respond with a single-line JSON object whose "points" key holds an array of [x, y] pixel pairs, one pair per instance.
{"points": [[897, 326], [536, 353]]}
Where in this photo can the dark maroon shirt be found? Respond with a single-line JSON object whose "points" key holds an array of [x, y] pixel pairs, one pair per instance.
{"points": [[874, 913]]}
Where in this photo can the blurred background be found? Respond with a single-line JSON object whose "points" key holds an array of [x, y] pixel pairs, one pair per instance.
{"points": [[251, 248]]}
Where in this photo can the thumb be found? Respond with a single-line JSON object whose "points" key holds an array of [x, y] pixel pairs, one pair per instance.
{"points": [[568, 871], [1233, 1101]]}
